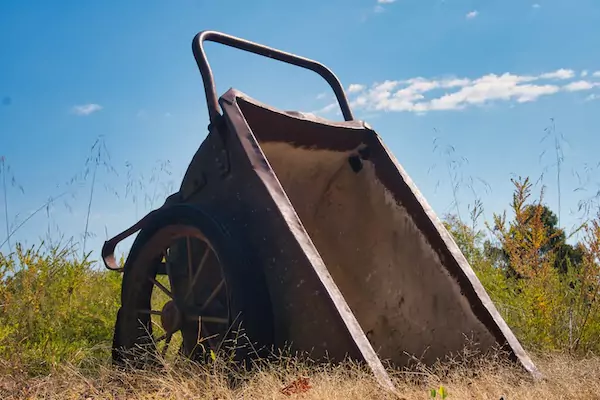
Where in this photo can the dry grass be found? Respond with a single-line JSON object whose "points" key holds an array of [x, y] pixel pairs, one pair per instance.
{"points": [[565, 378]]}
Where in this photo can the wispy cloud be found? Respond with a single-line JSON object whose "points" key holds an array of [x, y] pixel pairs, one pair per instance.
{"points": [[559, 74], [596, 74], [584, 73], [355, 88], [86, 109], [536, 5], [592, 97], [321, 96], [326, 110], [379, 6], [580, 85], [420, 95], [472, 14]]}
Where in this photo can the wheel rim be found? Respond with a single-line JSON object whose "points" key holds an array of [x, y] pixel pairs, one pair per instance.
{"points": [[178, 294]]}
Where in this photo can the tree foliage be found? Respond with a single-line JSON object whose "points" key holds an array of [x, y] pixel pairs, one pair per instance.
{"points": [[545, 288]]}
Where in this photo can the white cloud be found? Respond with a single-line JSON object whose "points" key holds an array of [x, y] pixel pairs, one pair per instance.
{"points": [[450, 83], [584, 73], [327, 109], [596, 74], [579, 85], [378, 9], [472, 14], [492, 87], [559, 74], [536, 5], [592, 97], [355, 88], [86, 109], [321, 96], [421, 94]]}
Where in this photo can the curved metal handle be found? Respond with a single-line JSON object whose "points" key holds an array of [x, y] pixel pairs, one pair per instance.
{"points": [[108, 249], [232, 41]]}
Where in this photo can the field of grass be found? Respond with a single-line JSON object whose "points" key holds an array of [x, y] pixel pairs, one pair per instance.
{"points": [[57, 312], [565, 377]]}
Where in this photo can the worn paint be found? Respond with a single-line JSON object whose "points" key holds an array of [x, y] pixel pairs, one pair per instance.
{"points": [[391, 277]]}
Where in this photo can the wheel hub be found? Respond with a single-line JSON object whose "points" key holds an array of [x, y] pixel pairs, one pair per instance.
{"points": [[170, 318]]}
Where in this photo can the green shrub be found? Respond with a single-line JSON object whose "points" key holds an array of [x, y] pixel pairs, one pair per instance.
{"points": [[546, 290], [55, 308]]}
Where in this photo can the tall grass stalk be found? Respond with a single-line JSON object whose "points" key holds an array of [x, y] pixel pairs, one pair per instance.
{"points": [[5, 194]]}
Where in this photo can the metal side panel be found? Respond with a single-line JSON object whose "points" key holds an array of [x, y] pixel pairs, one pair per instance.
{"points": [[309, 310], [369, 235], [467, 287]]}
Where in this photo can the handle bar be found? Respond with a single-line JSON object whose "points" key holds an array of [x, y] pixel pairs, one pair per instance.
{"points": [[232, 41]]}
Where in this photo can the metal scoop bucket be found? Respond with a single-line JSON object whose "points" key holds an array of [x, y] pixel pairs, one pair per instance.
{"points": [[355, 261]]}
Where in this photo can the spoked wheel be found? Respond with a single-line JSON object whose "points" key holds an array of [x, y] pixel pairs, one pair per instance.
{"points": [[188, 290]]}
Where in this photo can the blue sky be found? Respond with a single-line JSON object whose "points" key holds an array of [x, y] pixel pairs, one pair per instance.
{"points": [[485, 77]]}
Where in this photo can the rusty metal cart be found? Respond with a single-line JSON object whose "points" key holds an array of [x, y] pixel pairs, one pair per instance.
{"points": [[303, 232]]}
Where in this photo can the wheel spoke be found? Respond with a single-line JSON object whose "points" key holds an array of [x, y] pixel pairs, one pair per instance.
{"points": [[212, 320], [168, 268], [161, 338], [167, 341], [188, 243], [190, 331], [161, 287], [215, 320], [197, 273], [213, 294], [151, 312]]}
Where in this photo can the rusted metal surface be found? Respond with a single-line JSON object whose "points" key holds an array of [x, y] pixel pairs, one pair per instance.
{"points": [[302, 304], [109, 246], [232, 41], [369, 235], [403, 276], [355, 261]]}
